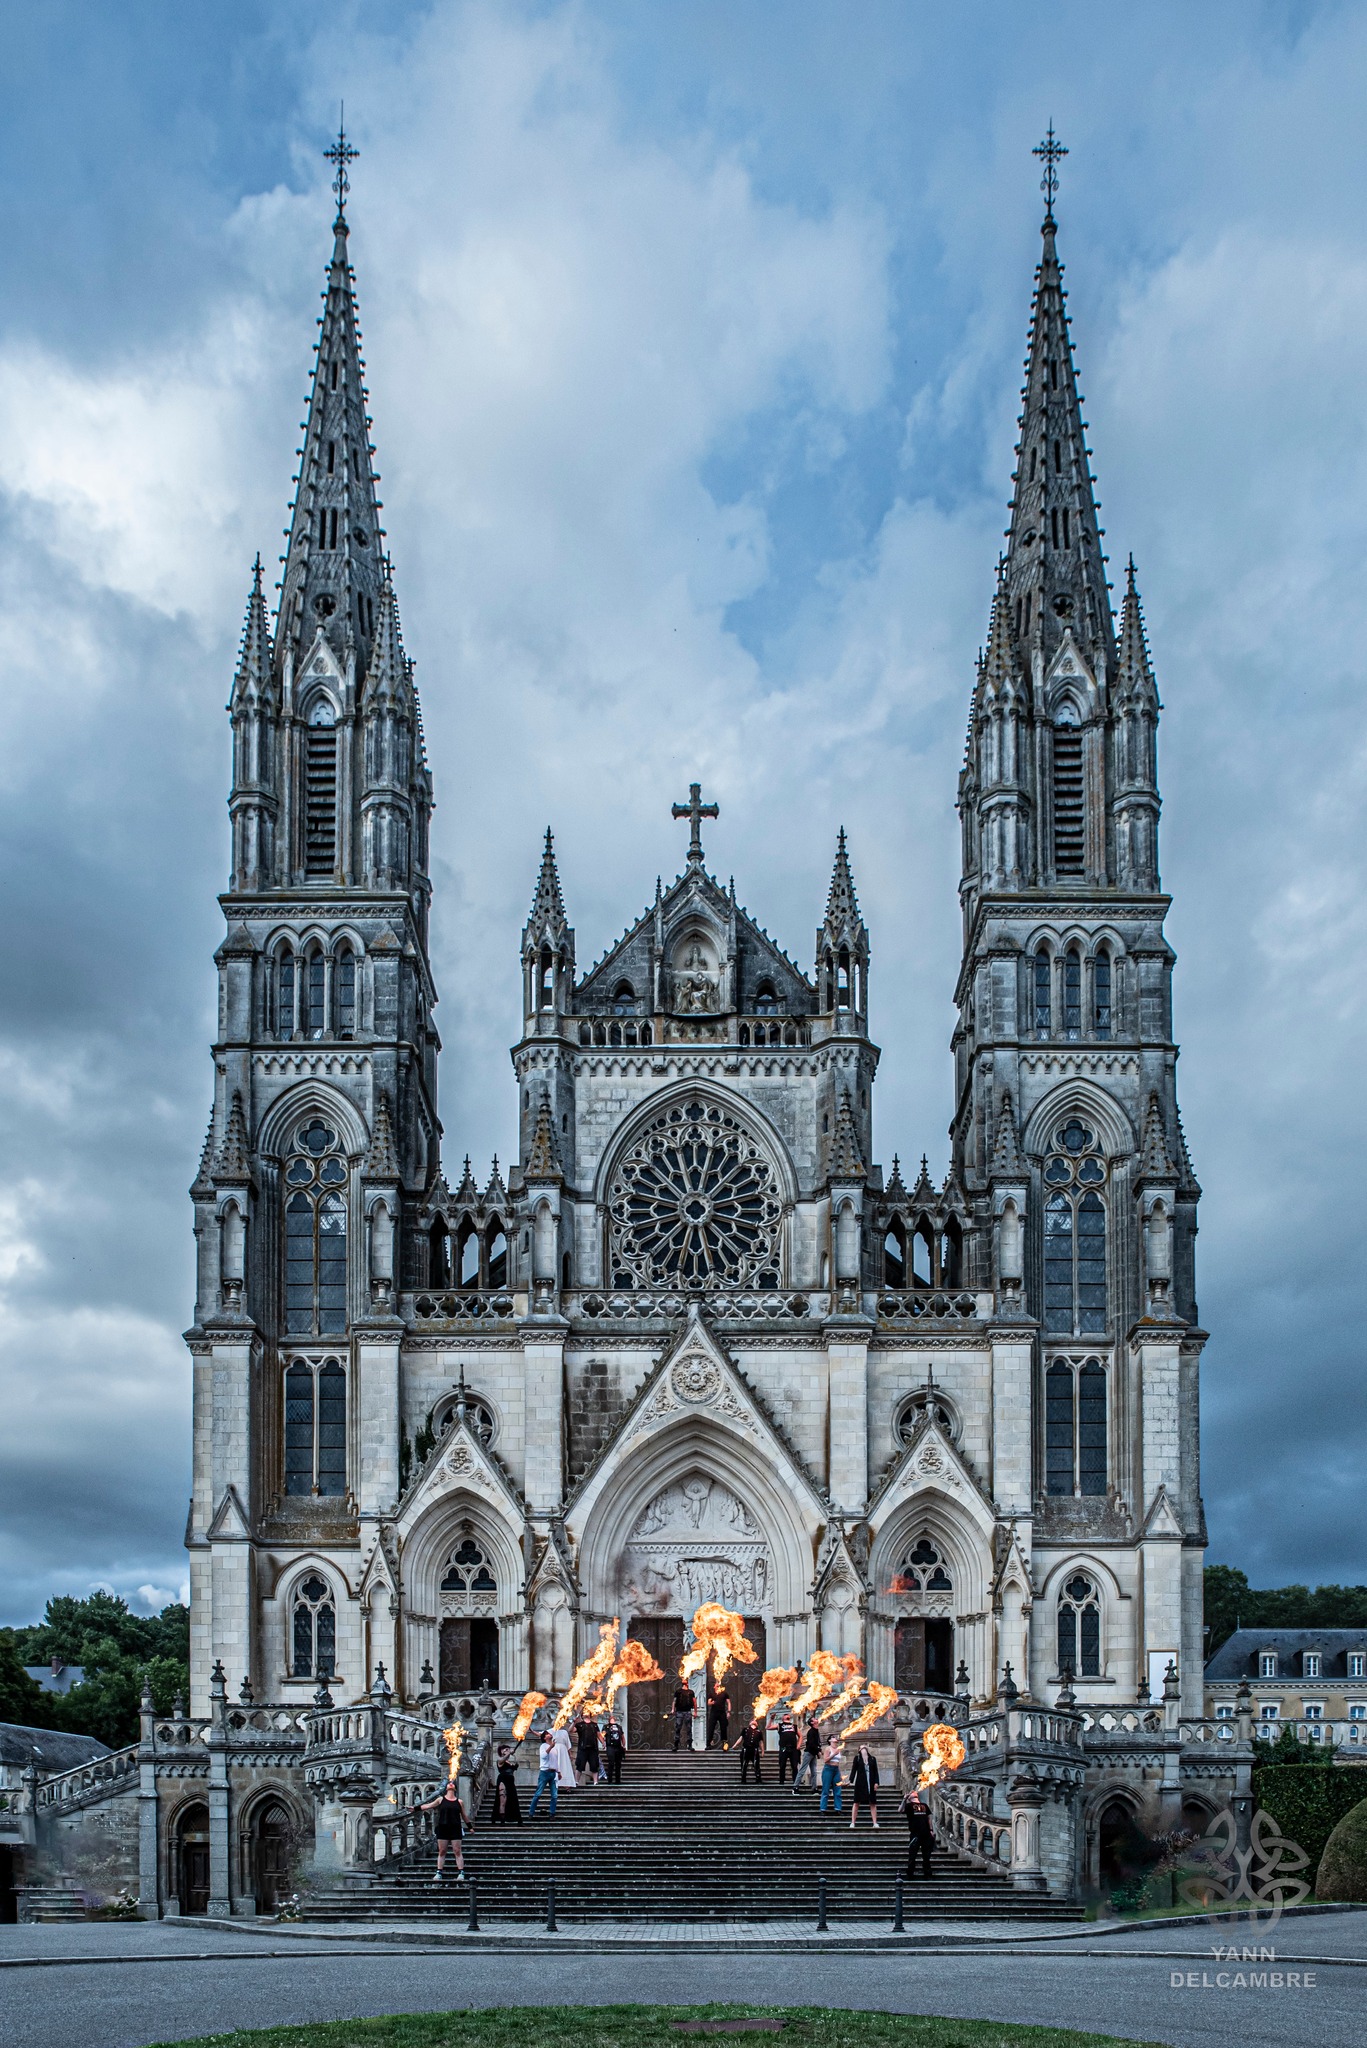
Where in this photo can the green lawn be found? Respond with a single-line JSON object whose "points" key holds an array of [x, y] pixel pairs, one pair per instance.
{"points": [[657, 2026]]}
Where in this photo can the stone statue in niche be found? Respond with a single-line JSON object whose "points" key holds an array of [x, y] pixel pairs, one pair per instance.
{"points": [[696, 988]]}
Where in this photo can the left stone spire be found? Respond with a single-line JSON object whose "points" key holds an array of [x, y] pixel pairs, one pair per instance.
{"points": [[334, 566]]}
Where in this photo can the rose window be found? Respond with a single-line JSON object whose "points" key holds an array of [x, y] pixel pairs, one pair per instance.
{"points": [[694, 1204]]}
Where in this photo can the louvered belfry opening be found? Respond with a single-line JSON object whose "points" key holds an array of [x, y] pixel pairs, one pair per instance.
{"points": [[1070, 822], [320, 800]]}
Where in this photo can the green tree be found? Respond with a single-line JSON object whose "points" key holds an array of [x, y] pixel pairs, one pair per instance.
{"points": [[1231, 1603], [21, 1701], [114, 1647]]}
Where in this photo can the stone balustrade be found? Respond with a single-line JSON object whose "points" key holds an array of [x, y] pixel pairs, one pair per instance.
{"points": [[963, 1820], [916, 1304], [66, 1790]]}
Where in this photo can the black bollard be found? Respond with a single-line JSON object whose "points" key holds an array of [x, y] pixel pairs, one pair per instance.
{"points": [[821, 1905], [550, 1907], [472, 1924], [898, 1926]]}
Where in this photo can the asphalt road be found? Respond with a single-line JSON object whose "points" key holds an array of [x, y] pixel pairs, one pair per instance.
{"points": [[150, 1984]]}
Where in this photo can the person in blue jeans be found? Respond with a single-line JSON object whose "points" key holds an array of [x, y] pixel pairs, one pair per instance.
{"points": [[831, 1760], [547, 1775]]}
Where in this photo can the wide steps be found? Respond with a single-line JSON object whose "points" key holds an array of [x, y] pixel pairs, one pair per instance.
{"points": [[683, 1839]]}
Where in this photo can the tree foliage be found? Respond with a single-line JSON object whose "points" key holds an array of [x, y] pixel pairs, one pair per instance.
{"points": [[1343, 1866], [1232, 1603], [114, 1647]]}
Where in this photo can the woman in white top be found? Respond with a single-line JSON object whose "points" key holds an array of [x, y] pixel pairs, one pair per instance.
{"points": [[564, 1761]]}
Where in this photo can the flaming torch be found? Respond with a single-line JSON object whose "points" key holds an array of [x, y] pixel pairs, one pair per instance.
{"points": [[853, 1668], [523, 1720], [635, 1666], [824, 1674], [882, 1700], [719, 1634], [452, 1737], [590, 1674], [944, 1751]]}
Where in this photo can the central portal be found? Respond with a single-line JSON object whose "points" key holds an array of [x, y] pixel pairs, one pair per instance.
{"points": [[650, 1708]]}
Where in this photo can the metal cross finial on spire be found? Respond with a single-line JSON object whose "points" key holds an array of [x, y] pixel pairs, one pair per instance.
{"points": [[695, 810], [1049, 151], [341, 154]]}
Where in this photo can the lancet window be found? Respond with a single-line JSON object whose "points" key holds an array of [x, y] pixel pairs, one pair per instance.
{"points": [[313, 1635], [1075, 1234], [320, 789], [467, 1571], [1043, 1004], [315, 1426], [1079, 1628], [1075, 1456], [1101, 995], [315, 1233], [1070, 820], [923, 1571]]}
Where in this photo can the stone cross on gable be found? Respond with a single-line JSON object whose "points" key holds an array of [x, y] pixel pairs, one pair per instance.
{"points": [[695, 810]]}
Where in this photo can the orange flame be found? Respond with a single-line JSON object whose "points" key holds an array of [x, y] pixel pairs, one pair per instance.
{"points": [[824, 1674], [590, 1674], [777, 1682], [452, 1737], [634, 1666], [882, 1700], [523, 1721], [944, 1750], [719, 1634], [853, 1668]]}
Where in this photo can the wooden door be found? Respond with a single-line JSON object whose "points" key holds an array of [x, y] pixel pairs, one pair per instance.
{"points": [[742, 1680], [650, 1708], [909, 1655], [468, 1656], [940, 1657], [272, 1859], [194, 1877]]}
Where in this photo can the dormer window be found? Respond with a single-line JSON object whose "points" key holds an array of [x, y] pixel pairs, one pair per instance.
{"points": [[1267, 1664], [766, 999], [1310, 1664], [623, 1000], [1357, 1663]]}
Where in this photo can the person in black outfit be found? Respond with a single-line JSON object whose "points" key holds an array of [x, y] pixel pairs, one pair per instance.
{"points": [[921, 1834], [863, 1783], [752, 1750], [587, 1757], [685, 1706], [614, 1749], [718, 1715], [449, 1827], [507, 1811], [787, 1748], [812, 1746]]}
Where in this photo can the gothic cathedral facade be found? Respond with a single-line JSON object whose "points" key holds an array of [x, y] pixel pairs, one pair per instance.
{"points": [[695, 1343]]}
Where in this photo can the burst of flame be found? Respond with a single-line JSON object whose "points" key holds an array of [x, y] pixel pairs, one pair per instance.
{"points": [[634, 1666], [853, 1668], [590, 1674], [882, 1700], [824, 1674], [719, 1634], [777, 1682], [523, 1720], [944, 1750], [452, 1738]]}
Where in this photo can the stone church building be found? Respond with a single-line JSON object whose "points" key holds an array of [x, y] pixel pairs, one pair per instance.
{"points": [[695, 1342]]}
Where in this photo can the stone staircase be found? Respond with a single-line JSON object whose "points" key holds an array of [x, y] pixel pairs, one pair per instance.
{"points": [[683, 1840]]}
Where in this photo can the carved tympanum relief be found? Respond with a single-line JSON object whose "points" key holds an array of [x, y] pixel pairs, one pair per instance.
{"points": [[695, 1541]]}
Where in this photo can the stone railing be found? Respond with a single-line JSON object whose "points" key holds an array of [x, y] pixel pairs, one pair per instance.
{"points": [[964, 1821], [104, 1775], [1110, 1724], [1207, 1735], [913, 1304], [481, 1305], [625, 1305], [1344, 1734]]}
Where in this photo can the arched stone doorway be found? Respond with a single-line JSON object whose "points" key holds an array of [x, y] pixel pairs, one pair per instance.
{"points": [[191, 1855], [270, 1855]]}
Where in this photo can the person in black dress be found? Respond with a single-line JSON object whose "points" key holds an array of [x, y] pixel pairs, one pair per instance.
{"points": [[863, 1782], [920, 1832], [507, 1805]]}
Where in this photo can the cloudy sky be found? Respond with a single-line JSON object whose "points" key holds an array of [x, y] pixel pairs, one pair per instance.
{"points": [[694, 337]]}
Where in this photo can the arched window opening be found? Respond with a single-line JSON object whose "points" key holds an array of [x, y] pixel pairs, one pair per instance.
{"points": [[1075, 1234], [1044, 1008], [629, 1034], [789, 1034], [545, 983], [1070, 839], [1079, 1628], [766, 999], [468, 1246], [344, 992], [645, 1034], [743, 1036], [315, 1427], [1101, 995], [497, 1256], [284, 995], [1072, 994], [952, 1254], [895, 1256], [479, 1416], [1075, 1450], [315, 1234], [439, 1258], [926, 1401], [315, 994], [600, 1034], [614, 1034], [467, 1570], [923, 1571], [828, 978], [586, 1034], [564, 1269], [922, 1248], [314, 1632], [320, 790], [842, 980], [623, 999]]}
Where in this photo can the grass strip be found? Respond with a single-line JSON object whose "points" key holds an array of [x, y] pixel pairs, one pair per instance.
{"points": [[655, 2026]]}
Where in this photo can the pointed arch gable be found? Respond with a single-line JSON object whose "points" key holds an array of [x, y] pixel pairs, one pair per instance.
{"points": [[436, 1533], [1079, 1095], [765, 1132], [310, 1097]]}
